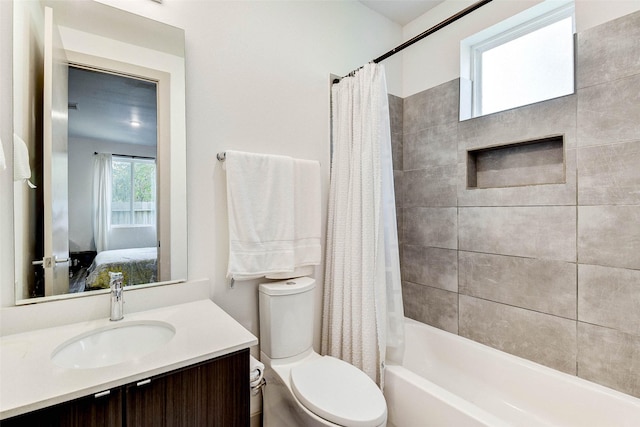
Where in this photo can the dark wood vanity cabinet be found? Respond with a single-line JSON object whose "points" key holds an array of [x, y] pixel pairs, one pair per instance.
{"points": [[212, 393], [102, 410]]}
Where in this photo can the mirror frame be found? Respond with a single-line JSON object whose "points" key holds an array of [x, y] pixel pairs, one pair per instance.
{"points": [[140, 59]]}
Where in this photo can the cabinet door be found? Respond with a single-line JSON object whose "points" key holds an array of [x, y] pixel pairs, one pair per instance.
{"points": [[145, 403], [95, 411], [101, 410], [214, 393], [225, 390]]}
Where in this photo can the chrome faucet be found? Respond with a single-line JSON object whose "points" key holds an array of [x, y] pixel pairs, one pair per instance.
{"points": [[117, 294]]}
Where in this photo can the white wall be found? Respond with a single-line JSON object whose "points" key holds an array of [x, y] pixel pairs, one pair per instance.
{"points": [[436, 59], [257, 80]]}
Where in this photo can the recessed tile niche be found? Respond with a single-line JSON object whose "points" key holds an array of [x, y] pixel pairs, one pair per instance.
{"points": [[533, 162]]}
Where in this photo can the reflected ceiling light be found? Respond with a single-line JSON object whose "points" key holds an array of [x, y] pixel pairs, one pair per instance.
{"points": [[135, 123]]}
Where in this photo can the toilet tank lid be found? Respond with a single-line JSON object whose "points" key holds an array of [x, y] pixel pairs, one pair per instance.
{"points": [[288, 287]]}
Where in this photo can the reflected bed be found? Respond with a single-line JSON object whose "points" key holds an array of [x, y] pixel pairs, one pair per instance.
{"points": [[138, 265]]}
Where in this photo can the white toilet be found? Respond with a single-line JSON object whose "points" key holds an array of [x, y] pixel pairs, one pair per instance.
{"points": [[303, 388]]}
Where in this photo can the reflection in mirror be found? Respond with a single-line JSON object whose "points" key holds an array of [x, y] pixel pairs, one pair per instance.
{"points": [[99, 111], [112, 179]]}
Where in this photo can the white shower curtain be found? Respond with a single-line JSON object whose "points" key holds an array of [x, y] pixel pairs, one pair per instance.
{"points": [[362, 314], [102, 200]]}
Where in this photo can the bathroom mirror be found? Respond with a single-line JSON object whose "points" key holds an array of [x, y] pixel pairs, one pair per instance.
{"points": [[100, 141]]}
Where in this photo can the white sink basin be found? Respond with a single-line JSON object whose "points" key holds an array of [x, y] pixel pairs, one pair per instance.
{"points": [[114, 344]]}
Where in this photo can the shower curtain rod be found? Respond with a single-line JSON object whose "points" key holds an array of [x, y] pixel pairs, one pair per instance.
{"points": [[424, 34]]}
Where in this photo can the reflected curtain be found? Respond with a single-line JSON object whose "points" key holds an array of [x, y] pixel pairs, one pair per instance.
{"points": [[102, 181], [362, 305]]}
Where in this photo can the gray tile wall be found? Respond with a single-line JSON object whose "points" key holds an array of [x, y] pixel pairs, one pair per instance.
{"points": [[514, 166], [429, 259], [547, 272]]}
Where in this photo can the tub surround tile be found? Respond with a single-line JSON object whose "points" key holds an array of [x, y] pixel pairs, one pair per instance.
{"points": [[433, 146], [434, 227], [400, 231], [434, 267], [535, 121], [609, 174], [488, 175], [545, 232], [395, 121], [609, 112], [609, 297], [609, 357], [397, 187], [529, 195], [546, 286], [517, 285], [609, 236], [542, 338], [609, 51], [396, 150], [432, 306], [434, 186], [395, 113], [517, 166], [400, 224], [431, 107]]}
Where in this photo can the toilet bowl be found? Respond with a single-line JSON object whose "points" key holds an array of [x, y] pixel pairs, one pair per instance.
{"points": [[304, 388]]}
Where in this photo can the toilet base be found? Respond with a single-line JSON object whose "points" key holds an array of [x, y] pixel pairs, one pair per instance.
{"points": [[280, 408]]}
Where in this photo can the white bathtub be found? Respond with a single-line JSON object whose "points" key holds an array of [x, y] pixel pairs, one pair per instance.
{"points": [[447, 380]]}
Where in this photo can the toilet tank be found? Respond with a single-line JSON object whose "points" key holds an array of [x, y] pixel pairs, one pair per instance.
{"points": [[286, 317]]}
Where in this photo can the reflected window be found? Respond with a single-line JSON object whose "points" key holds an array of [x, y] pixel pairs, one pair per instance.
{"points": [[526, 59], [133, 192]]}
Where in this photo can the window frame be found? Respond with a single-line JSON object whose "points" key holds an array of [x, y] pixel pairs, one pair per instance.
{"points": [[472, 48]]}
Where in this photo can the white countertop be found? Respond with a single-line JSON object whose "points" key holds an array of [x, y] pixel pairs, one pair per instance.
{"points": [[29, 380]]}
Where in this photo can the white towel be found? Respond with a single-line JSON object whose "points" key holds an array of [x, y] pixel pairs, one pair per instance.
{"points": [[307, 201], [21, 168], [261, 215]]}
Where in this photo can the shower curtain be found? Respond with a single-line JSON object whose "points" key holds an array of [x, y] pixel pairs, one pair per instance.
{"points": [[363, 316]]}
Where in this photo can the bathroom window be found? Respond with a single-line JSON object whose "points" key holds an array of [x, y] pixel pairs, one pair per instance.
{"points": [[526, 59], [133, 193]]}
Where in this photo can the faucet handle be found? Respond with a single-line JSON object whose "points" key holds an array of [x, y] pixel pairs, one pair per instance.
{"points": [[115, 284], [115, 279]]}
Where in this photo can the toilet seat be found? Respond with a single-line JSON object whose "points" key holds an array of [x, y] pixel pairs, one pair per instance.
{"points": [[339, 392]]}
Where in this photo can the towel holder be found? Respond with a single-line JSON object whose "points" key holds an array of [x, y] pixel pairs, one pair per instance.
{"points": [[222, 156]]}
